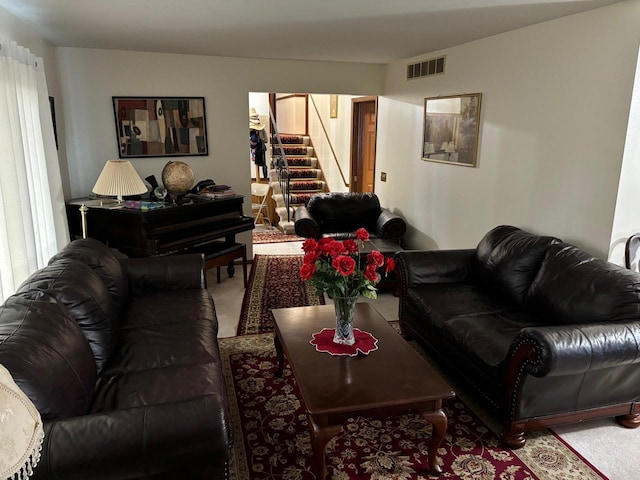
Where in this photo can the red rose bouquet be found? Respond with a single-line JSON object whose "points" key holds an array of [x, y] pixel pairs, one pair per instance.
{"points": [[335, 266]]}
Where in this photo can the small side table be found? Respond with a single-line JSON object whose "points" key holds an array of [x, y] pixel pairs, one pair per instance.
{"points": [[225, 255]]}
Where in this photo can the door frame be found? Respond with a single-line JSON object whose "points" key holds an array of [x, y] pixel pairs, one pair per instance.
{"points": [[357, 139]]}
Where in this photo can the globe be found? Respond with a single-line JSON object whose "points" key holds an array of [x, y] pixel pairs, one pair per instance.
{"points": [[177, 178]]}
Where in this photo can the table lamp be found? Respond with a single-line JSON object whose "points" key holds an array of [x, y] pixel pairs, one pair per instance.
{"points": [[117, 179], [21, 431]]}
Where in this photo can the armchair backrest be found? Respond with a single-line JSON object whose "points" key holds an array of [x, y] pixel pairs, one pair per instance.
{"points": [[345, 211]]}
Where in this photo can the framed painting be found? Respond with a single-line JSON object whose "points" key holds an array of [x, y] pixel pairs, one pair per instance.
{"points": [[451, 126], [160, 126]]}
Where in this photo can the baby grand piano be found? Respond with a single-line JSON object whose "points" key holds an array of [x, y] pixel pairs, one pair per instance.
{"points": [[198, 225]]}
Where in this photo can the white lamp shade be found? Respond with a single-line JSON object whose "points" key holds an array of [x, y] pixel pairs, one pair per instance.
{"points": [[119, 179], [21, 431]]}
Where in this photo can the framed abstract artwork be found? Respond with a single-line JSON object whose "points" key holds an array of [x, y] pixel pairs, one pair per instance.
{"points": [[160, 126], [451, 127]]}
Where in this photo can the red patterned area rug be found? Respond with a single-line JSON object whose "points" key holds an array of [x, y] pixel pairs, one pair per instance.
{"points": [[272, 435], [274, 236], [274, 282]]}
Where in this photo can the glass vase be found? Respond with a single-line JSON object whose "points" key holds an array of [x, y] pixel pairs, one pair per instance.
{"points": [[345, 311]]}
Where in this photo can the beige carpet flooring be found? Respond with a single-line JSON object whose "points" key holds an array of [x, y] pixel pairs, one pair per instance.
{"points": [[614, 450]]}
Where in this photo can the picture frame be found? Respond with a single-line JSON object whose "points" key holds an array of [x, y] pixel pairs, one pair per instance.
{"points": [[160, 126], [333, 106], [451, 129]]}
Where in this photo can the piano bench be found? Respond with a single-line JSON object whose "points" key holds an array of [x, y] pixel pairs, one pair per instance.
{"points": [[225, 256]]}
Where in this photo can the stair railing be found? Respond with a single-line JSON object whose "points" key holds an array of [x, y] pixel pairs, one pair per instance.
{"points": [[328, 140], [279, 164]]}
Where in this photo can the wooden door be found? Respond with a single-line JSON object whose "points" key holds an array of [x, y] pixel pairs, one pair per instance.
{"points": [[363, 144]]}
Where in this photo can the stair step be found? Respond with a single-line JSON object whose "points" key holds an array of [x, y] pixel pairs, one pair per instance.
{"points": [[297, 199], [296, 150], [288, 139], [282, 213], [306, 185], [303, 162]]}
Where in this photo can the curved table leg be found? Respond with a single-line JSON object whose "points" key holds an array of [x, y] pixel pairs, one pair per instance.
{"points": [[280, 353], [438, 419], [321, 433]]}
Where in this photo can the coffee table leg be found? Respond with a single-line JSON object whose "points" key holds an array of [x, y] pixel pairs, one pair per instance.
{"points": [[280, 353], [438, 419], [321, 433]]}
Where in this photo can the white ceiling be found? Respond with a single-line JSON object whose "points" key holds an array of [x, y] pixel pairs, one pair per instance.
{"points": [[377, 31]]}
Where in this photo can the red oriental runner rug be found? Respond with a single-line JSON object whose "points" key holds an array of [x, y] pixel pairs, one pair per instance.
{"points": [[274, 236], [274, 282], [272, 441]]}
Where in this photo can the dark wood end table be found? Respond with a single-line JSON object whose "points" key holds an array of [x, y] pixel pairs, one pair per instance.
{"points": [[388, 381]]}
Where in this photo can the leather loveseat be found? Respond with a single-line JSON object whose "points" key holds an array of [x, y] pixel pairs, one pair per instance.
{"points": [[340, 214], [120, 357], [543, 332]]}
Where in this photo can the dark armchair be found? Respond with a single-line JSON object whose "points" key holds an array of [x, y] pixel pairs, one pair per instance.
{"points": [[340, 214]]}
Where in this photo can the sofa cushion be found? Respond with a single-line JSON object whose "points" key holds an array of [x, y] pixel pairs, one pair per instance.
{"points": [[345, 212], [487, 337], [507, 260], [438, 303], [103, 261], [78, 288], [47, 354], [183, 323], [574, 287]]}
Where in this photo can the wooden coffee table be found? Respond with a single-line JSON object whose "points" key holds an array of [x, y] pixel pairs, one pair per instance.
{"points": [[388, 381]]}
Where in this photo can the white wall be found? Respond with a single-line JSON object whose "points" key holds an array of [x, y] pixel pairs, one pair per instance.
{"points": [[90, 78], [554, 114], [338, 130], [627, 217]]}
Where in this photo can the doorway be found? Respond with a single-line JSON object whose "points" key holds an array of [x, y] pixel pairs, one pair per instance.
{"points": [[363, 144]]}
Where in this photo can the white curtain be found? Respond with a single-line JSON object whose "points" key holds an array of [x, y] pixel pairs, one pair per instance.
{"points": [[32, 216]]}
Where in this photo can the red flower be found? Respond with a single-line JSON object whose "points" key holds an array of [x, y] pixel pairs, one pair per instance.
{"points": [[391, 265], [309, 245], [350, 245], [370, 273], [376, 258], [307, 271], [335, 248], [344, 265], [323, 244], [312, 256], [362, 234]]}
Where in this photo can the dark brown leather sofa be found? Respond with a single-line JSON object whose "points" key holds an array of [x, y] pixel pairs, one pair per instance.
{"points": [[340, 214], [120, 357], [543, 332]]}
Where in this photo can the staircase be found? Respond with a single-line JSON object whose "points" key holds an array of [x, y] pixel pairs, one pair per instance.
{"points": [[305, 178]]}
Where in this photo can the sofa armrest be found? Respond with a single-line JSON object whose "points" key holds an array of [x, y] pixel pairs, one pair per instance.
{"points": [[137, 442], [390, 225], [161, 274], [419, 267], [574, 349], [305, 225]]}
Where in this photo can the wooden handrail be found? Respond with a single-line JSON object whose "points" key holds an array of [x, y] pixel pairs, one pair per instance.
{"points": [[333, 152]]}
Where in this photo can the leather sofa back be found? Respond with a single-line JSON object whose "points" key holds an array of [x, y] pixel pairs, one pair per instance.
{"points": [[507, 260], [102, 261], [47, 354], [345, 212], [574, 287], [86, 297]]}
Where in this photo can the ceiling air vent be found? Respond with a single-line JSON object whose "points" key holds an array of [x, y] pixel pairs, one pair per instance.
{"points": [[426, 68]]}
